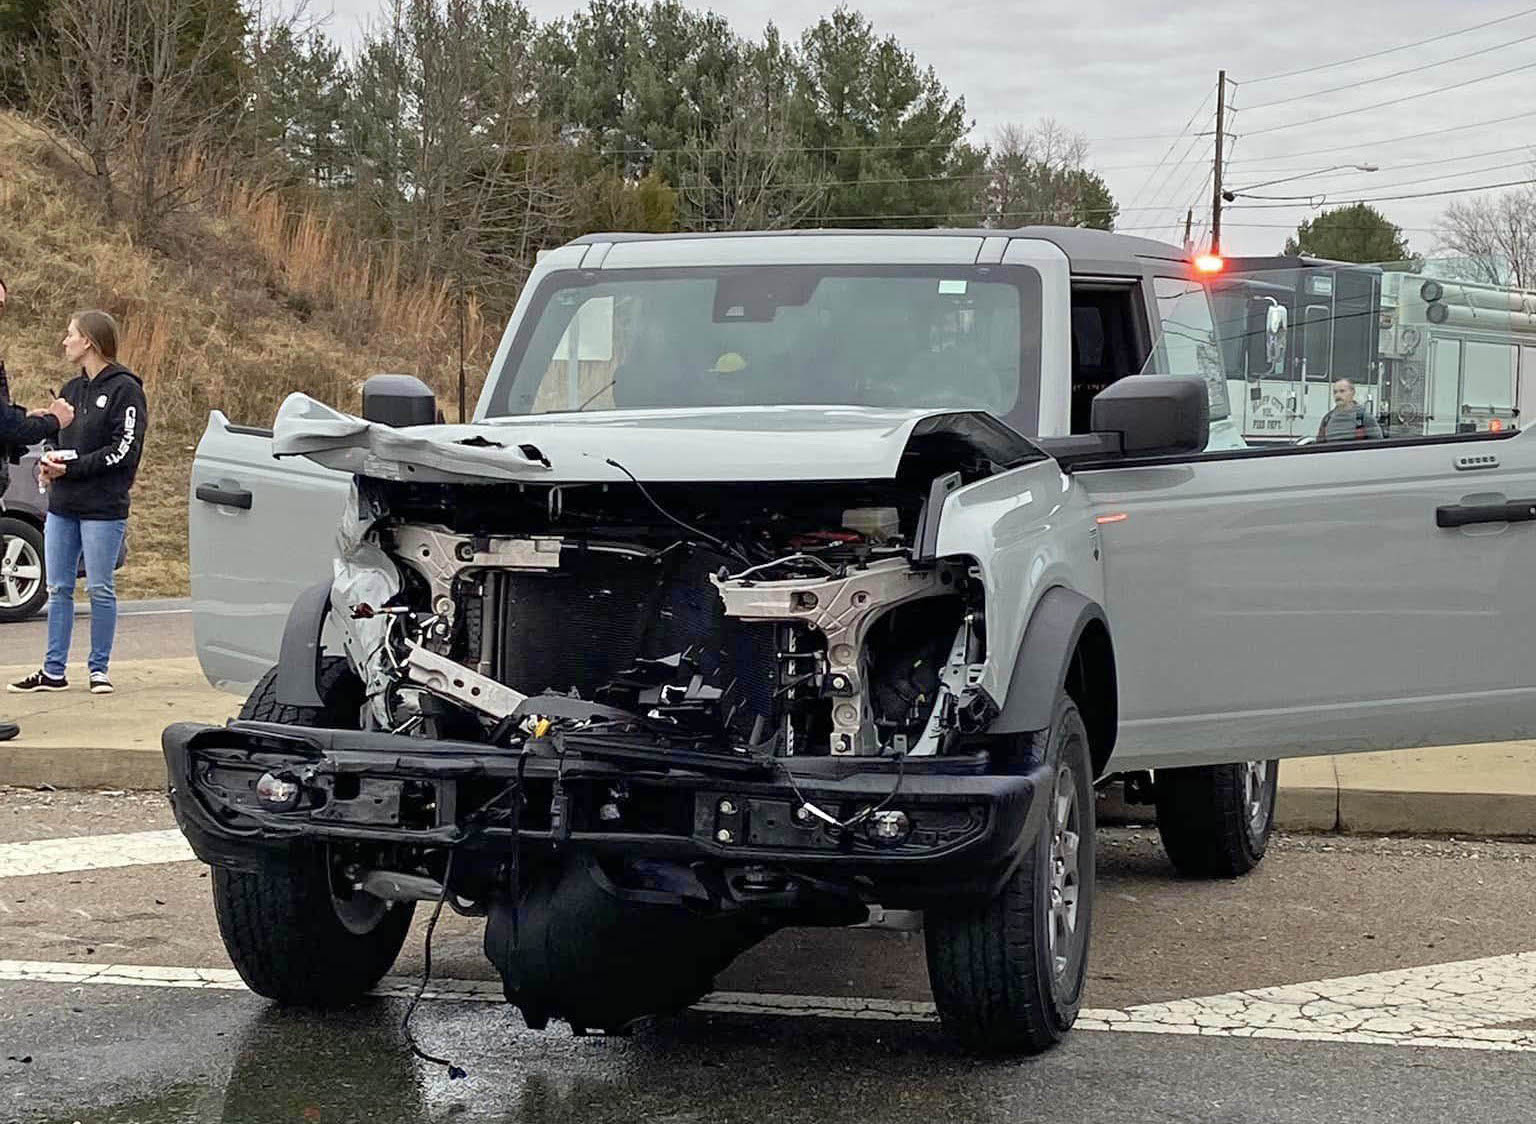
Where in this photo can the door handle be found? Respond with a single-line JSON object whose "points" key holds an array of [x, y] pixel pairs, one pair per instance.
{"points": [[1462, 515], [224, 497]]}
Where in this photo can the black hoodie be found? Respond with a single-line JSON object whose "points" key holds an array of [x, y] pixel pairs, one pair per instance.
{"points": [[111, 417]]}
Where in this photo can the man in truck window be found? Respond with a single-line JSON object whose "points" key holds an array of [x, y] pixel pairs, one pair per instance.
{"points": [[1348, 420]]}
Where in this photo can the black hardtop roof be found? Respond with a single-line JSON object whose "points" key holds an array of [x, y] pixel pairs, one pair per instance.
{"points": [[1085, 248]]}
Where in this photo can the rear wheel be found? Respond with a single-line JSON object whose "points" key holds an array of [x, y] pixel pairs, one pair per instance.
{"points": [[1215, 820], [23, 584], [1007, 976], [298, 933]]}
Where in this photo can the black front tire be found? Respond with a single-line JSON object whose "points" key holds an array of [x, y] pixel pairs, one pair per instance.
{"points": [[1215, 820], [1007, 976], [21, 597], [295, 933]]}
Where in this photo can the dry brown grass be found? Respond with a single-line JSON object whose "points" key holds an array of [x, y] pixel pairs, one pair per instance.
{"points": [[241, 305]]}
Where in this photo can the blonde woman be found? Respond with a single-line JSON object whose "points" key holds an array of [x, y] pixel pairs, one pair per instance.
{"points": [[89, 475]]}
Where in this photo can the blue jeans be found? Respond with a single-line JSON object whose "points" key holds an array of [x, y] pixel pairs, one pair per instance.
{"points": [[65, 538]]}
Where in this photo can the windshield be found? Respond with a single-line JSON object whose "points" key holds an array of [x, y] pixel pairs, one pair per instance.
{"points": [[1189, 343], [911, 336], [1309, 351]]}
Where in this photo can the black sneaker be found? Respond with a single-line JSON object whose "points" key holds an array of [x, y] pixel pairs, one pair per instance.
{"points": [[100, 684], [38, 681], [8, 730]]}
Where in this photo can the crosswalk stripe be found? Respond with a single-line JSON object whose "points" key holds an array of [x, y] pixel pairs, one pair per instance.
{"points": [[1487, 1004], [92, 852]]}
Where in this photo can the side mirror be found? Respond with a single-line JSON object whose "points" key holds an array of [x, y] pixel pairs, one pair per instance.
{"points": [[398, 400], [1155, 415], [1275, 323]]}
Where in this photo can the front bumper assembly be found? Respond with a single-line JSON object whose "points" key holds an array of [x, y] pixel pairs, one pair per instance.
{"points": [[965, 831]]}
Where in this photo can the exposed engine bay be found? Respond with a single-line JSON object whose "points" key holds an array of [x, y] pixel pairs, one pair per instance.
{"points": [[780, 620]]}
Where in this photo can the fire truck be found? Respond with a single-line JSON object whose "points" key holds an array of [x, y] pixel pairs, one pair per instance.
{"points": [[1454, 356], [1289, 327], [1427, 355]]}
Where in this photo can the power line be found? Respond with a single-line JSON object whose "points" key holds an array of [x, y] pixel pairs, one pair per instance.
{"points": [[1393, 198], [646, 150], [1178, 169], [1528, 148], [1394, 74], [1007, 214], [1350, 226], [1174, 199], [1394, 101], [1181, 199], [1359, 146], [1407, 183], [1179, 189], [1389, 50], [1187, 125]]}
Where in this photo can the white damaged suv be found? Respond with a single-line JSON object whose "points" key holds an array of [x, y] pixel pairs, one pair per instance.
{"points": [[780, 576]]}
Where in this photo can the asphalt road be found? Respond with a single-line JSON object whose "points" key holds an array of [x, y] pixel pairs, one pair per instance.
{"points": [[1319, 908], [145, 630]]}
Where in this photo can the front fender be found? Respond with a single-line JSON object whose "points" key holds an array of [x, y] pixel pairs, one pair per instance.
{"points": [[1026, 531], [1055, 632], [298, 664]]}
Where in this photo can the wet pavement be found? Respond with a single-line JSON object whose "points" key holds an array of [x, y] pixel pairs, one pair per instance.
{"points": [[1317, 909], [152, 1057]]}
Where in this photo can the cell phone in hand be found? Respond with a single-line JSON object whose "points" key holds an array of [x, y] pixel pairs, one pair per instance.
{"points": [[59, 456]]}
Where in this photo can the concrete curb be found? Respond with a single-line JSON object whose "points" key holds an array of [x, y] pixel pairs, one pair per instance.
{"points": [[1363, 809], [53, 767]]}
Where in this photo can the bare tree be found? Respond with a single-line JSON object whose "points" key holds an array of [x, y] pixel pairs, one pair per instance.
{"points": [[1495, 236], [1037, 174], [85, 92], [133, 91], [749, 176]]}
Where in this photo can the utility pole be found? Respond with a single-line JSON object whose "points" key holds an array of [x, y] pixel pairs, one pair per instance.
{"points": [[1221, 136], [1189, 221]]}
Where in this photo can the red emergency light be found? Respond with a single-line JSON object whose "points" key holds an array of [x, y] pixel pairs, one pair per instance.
{"points": [[1209, 263]]}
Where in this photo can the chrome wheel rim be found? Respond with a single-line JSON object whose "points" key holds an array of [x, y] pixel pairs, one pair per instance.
{"points": [[1255, 797], [1066, 872], [21, 572]]}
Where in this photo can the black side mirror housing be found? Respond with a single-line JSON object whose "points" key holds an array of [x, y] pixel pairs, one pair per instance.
{"points": [[1154, 415], [398, 400]]}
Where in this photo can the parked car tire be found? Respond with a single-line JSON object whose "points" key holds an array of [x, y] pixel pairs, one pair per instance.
{"points": [[1007, 976], [298, 934], [23, 582], [1215, 820]]}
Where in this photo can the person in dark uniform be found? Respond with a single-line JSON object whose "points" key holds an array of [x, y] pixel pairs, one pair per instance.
{"points": [[18, 430]]}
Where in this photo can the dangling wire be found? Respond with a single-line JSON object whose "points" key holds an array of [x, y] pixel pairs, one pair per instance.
{"points": [[454, 1072]]}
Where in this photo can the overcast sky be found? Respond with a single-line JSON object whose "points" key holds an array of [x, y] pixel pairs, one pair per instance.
{"points": [[1120, 69]]}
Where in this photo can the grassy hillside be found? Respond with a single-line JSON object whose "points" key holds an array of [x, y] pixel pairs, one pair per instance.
{"points": [[242, 303]]}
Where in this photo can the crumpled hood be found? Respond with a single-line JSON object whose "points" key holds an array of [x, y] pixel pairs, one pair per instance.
{"points": [[750, 443]]}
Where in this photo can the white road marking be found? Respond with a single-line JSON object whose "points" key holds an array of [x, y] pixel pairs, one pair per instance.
{"points": [[1469, 1004], [1466, 1005], [92, 852]]}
